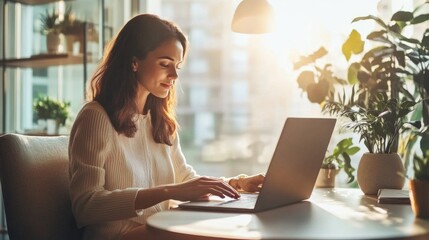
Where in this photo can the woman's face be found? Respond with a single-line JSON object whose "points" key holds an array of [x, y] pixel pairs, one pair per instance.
{"points": [[157, 73]]}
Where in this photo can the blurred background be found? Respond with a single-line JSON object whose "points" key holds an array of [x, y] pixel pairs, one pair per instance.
{"points": [[235, 90]]}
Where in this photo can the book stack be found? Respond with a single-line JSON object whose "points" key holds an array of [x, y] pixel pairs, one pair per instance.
{"points": [[398, 196]]}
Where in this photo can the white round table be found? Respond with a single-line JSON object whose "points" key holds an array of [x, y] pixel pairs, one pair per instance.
{"points": [[329, 214]]}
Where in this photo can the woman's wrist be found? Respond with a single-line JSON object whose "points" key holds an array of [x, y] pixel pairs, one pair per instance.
{"points": [[167, 192], [148, 197]]}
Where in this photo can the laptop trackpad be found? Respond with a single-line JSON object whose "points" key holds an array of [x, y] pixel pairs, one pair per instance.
{"points": [[246, 201]]}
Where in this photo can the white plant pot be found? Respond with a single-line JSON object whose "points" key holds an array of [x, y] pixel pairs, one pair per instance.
{"points": [[53, 41], [376, 171], [52, 127], [41, 125], [70, 40]]}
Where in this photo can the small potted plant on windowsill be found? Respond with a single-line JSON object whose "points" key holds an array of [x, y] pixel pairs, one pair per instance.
{"points": [[333, 163], [54, 112]]}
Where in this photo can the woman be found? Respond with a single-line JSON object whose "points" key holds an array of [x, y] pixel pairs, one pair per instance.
{"points": [[124, 150]]}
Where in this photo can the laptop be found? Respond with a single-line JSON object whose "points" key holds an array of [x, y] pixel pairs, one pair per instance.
{"points": [[292, 172]]}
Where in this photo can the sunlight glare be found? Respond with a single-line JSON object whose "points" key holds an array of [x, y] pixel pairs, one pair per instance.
{"points": [[238, 225], [304, 26]]}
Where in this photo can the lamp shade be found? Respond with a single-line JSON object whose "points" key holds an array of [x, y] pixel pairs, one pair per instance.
{"points": [[254, 17]]}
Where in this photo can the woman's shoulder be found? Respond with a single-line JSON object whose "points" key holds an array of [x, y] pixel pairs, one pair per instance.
{"points": [[93, 118], [92, 107], [92, 112]]}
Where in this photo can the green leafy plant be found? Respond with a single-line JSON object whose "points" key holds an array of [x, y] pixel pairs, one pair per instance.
{"points": [[318, 82], [416, 52], [381, 100], [378, 125], [340, 158], [394, 59], [70, 25], [421, 167], [50, 22], [420, 162], [47, 108], [380, 69], [390, 60]]}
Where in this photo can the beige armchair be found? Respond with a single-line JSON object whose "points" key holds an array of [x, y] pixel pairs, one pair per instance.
{"points": [[34, 180]]}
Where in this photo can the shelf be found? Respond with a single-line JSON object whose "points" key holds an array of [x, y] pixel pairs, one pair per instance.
{"points": [[44, 61], [81, 60], [34, 2]]}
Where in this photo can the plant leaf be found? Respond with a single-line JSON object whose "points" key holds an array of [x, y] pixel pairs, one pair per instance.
{"points": [[353, 44], [402, 16], [424, 143], [304, 79], [420, 18], [425, 39], [352, 73], [352, 150], [371, 17], [400, 56], [305, 60]]}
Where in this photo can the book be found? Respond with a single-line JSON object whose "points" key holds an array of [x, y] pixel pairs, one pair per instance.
{"points": [[398, 196]]}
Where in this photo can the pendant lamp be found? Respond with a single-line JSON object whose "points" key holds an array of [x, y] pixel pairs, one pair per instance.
{"points": [[253, 17]]}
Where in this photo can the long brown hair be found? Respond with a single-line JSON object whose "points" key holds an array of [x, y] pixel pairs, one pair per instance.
{"points": [[115, 87]]}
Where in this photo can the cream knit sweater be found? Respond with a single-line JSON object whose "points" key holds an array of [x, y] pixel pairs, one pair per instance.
{"points": [[107, 170]]}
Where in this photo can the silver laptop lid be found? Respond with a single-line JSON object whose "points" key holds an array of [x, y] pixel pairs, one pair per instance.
{"points": [[296, 161]]}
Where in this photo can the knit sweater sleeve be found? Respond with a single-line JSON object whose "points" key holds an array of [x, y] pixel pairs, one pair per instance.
{"points": [[183, 171], [89, 147]]}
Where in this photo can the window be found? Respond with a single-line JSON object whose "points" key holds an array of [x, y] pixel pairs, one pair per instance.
{"points": [[237, 89]]}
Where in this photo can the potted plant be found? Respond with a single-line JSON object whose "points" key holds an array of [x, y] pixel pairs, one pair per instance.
{"points": [[412, 54], [382, 93], [72, 28], [378, 125], [339, 159], [394, 59], [419, 184], [50, 27], [419, 181], [55, 112]]}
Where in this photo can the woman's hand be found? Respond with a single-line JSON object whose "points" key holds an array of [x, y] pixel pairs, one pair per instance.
{"points": [[201, 188], [248, 183]]}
